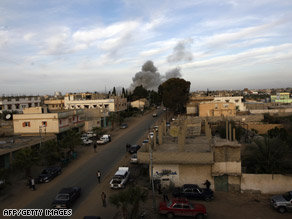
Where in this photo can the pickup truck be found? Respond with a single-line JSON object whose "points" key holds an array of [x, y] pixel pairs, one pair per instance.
{"points": [[120, 178], [104, 139]]}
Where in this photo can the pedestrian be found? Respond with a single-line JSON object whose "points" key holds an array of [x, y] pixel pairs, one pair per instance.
{"points": [[29, 182], [94, 146], [207, 184], [32, 182], [128, 147], [164, 193], [98, 174], [159, 189], [103, 198]]}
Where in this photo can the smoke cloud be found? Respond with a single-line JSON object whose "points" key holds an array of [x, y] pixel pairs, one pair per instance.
{"points": [[150, 78], [180, 52]]}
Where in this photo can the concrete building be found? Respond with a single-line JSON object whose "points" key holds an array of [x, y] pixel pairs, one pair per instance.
{"points": [[217, 109], [18, 103], [89, 101], [281, 98], [192, 106], [140, 104], [236, 100], [37, 120], [95, 118], [182, 159], [55, 104]]}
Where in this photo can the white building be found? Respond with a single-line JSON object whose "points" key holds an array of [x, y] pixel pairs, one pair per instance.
{"points": [[237, 100], [77, 101], [18, 103]]}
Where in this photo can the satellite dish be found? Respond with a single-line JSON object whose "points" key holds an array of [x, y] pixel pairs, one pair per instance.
{"points": [[8, 116]]}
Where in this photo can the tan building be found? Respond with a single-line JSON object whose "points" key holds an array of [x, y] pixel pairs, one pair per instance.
{"points": [[37, 120], [181, 159], [140, 104], [217, 109], [54, 105], [192, 106], [88, 101], [95, 118]]}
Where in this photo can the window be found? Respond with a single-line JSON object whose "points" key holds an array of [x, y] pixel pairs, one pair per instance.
{"points": [[186, 206], [44, 123], [9, 107], [225, 105], [177, 206], [227, 101], [17, 106], [26, 124], [29, 105], [60, 122]]}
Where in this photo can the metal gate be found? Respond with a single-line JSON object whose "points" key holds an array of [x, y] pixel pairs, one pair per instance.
{"points": [[221, 183]]}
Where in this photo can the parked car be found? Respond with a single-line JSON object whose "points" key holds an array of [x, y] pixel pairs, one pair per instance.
{"points": [[134, 149], [90, 134], [48, 174], [283, 202], [66, 197], [120, 178], [104, 139], [124, 126], [182, 207], [134, 158], [151, 134], [154, 114], [145, 142], [193, 191], [87, 142]]}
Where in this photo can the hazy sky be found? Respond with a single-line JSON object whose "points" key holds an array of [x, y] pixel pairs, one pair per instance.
{"points": [[93, 45]]}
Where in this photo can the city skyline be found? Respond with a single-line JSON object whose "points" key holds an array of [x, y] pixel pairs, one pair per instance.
{"points": [[75, 46]]}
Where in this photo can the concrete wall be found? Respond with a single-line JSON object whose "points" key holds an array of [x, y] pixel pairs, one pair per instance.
{"points": [[229, 168], [272, 111], [266, 183], [264, 128], [217, 109], [226, 153]]}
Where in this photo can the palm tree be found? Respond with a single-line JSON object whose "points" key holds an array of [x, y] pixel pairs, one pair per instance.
{"points": [[269, 155], [137, 195]]}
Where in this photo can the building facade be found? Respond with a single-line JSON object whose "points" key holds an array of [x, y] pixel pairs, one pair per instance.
{"points": [[240, 106], [281, 98], [78, 101], [55, 104], [37, 121], [216, 109], [18, 103]]}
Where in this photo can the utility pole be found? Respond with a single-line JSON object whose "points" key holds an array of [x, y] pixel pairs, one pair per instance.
{"points": [[151, 175]]}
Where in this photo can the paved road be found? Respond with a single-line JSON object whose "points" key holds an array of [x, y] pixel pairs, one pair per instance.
{"points": [[104, 161]]}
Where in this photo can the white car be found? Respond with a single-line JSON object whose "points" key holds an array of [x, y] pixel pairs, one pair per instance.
{"points": [[120, 178], [134, 158], [90, 134], [151, 134], [87, 141]]}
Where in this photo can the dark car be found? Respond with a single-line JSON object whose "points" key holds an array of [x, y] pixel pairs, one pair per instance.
{"points": [[134, 148], [193, 191], [124, 126], [48, 174], [182, 207], [66, 197]]}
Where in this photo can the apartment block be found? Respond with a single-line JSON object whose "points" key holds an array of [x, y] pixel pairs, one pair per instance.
{"points": [[18, 103]]}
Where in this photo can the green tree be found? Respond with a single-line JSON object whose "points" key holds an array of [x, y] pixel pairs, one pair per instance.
{"points": [[269, 155], [26, 158], [155, 98], [132, 196], [175, 93], [139, 92], [98, 131], [70, 139], [113, 118], [114, 91], [50, 153]]}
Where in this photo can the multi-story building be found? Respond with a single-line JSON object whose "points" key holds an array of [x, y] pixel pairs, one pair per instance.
{"points": [[90, 101], [55, 104], [217, 109], [236, 100], [18, 103], [140, 104], [37, 120], [281, 98]]}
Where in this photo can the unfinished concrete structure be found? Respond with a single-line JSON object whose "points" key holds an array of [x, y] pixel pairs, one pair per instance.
{"points": [[184, 157]]}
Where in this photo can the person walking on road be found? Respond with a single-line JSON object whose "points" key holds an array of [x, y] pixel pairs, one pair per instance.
{"points": [[32, 182], [103, 198], [94, 146], [164, 193], [98, 174]]}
